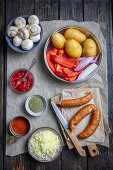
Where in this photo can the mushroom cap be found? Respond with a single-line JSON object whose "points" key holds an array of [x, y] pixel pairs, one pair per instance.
{"points": [[27, 44], [17, 41], [23, 33], [34, 29], [35, 38], [20, 22], [33, 19], [12, 31], [27, 26]]}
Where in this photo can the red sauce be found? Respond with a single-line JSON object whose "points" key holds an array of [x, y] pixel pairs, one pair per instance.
{"points": [[24, 85], [20, 126]]}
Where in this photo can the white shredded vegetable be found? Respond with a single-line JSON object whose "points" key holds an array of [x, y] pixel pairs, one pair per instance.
{"points": [[45, 144]]}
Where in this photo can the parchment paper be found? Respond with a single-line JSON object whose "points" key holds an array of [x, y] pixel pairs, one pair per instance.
{"points": [[57, 99], [47, 85], [68, 113]]}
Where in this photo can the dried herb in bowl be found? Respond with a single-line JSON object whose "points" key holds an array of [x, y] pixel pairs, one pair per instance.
{"points": [[36, 104]]}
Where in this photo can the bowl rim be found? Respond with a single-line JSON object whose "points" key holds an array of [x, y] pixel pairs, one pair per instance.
{"points": [[14, 47], [11, 129], [61, 29], [48, 128], [12, 75], [32, 113]]}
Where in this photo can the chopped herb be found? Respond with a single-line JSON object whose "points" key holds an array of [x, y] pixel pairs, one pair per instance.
{"points": [[36, 104]]}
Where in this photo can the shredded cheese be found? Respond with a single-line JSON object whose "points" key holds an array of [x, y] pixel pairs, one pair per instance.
{"points": [[45, 144]]}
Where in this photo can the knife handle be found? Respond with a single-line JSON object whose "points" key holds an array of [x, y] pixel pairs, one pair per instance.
{"points": [[76, 143]]}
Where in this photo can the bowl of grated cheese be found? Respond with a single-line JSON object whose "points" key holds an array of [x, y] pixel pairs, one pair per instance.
{"points": [[45, 144]]}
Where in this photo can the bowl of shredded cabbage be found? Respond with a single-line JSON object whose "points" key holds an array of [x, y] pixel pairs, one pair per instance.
{"points": [[45, 144]]}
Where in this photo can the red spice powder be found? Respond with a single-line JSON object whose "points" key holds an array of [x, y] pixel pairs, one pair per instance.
{"points": [[20, 126]]}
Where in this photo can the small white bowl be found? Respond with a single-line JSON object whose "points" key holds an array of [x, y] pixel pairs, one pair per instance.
{"points": [[39, 113]]}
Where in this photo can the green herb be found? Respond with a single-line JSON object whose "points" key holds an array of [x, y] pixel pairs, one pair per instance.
{"points": [[36, 104]]}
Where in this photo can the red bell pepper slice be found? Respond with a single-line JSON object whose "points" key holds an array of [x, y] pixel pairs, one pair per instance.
{"points": [[66, 62], [70, 73], [54, 50], [62, 53], [49, 53], [59, 70], [71, 79]]}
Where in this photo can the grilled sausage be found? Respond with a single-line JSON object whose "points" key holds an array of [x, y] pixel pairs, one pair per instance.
{"points": [[83, 112], [91, 128], [76, 102]]}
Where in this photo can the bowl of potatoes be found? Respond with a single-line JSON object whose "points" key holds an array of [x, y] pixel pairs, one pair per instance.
{"points": [[72, 54]]}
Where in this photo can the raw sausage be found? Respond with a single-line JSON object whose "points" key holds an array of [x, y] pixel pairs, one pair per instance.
{"points": [[83, 112], [94, 123], [76, 102]]}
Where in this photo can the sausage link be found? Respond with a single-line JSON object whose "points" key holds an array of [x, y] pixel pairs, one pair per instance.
{"points": [[94, 123], [83, 112], [76, 102]]}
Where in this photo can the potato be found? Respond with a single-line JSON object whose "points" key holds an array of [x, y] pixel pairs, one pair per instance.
{"points": [[58, 40], [74, 34], [89, 48], [73, 48]]}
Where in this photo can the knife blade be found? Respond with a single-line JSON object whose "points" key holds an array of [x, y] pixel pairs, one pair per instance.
{"points": [[66, 127]]}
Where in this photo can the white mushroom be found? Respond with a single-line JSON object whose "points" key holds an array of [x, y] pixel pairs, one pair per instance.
{"points": [[23, 33], [20, 22], [34, 29], [17, 41], [35, 38], [27, 26], [33, 19], [12, 31], [27, 44]]}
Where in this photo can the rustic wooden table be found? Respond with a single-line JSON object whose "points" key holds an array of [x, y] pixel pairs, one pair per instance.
{"points": [[79, 10]]}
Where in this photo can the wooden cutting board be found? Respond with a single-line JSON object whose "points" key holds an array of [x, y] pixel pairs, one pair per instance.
{"points": [[93, 150]]}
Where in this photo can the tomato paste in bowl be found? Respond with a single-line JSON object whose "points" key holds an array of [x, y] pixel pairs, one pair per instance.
{"points": [[23, 86]]}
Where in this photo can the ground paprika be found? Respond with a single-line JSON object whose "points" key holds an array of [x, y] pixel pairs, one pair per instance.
{"points": [[20, 125]]}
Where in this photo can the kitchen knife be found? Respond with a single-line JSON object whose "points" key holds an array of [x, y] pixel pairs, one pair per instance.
{"points": [[66, 127]]}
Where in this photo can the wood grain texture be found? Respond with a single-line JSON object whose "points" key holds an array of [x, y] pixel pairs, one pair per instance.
{"points": [[47, 10], [71, 9], [100, 11], [2, 24]]}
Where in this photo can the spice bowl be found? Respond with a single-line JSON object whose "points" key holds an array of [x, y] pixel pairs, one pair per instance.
{"points": [[36, 105], [23, 87], [19, 126]]}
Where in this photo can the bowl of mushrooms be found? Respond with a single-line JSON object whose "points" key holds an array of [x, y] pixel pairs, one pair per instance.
{"points": [[24, 33]]}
